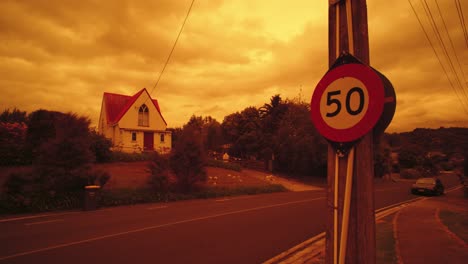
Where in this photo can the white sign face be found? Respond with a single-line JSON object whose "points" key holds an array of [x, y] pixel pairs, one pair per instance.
{"points": [[344, 103]]}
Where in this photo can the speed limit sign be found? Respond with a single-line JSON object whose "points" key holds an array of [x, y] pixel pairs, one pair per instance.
{"points": [[347, 102]]}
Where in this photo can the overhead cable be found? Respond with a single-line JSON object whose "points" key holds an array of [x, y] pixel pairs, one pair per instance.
{"points": [[437, 55]]}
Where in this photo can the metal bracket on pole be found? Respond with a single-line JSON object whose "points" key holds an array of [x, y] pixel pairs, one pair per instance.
{"points": [[334, 2]]}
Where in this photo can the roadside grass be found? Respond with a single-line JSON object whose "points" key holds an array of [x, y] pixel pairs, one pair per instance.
{"points": [[118, 197], [224, 165], [128, 185], [456, 222], [137, 196], [385, 250]]}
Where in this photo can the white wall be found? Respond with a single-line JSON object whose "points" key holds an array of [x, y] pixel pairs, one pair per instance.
{"points": [[130, 119]]}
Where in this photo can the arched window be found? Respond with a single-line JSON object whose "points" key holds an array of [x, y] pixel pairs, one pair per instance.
{"points": [[143, 116]]}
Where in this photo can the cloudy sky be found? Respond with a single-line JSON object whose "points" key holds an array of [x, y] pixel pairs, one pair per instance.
{"points": [[62, 55]]}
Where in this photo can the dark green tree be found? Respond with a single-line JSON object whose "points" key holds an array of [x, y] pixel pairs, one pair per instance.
{"points": [[100, 147], [244, 132], [13, 116], [159, 170], [41, 128], [187, 160], [298, 147], [12, 137], [63, 161], [410, 156]]}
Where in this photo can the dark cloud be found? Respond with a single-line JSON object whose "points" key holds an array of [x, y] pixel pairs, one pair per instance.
{"points": [[63, 55]]}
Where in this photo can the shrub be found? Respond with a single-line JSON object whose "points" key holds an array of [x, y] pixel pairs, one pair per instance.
{"points": [[17, 183], [25, 193], [159, 169], [187, 160], [100, 146]]}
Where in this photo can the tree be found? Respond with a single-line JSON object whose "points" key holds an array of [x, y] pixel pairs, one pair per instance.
{"points": [[13, 116], [187, 160], [159, 170], [243, 131], [410, 156], [63, 161], [271, 115], [100, 147], [212, 134], [12, 137], [209, 129], [298, 147], [41, 128], [382, 157]]}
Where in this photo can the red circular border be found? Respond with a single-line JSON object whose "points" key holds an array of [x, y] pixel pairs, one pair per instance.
{"points": [[376, 93]]}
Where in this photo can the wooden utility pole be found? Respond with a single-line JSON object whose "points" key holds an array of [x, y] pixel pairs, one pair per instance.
{"points": [[361, 234]]}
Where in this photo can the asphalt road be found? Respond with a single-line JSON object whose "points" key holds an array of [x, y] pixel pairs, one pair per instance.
{"points": [[245, 229]]}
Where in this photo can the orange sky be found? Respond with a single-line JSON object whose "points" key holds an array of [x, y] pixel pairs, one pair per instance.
{"points": [[62, 55]]}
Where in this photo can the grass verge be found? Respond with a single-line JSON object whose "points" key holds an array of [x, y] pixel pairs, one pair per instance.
{"points": [[224, 165], [456, 222], [41, 203], [385, 250]]}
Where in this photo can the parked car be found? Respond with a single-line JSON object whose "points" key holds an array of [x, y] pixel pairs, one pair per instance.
{"points": [[428, 186]]}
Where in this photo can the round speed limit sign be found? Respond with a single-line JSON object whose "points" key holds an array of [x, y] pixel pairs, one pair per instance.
{"points": [[347, 102]]}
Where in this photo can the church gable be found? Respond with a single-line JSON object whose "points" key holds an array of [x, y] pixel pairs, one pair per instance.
{"points": [[143, 113], [126, 111]]}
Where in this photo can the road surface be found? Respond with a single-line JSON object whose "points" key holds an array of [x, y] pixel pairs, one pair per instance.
{"points": [[244, 229]]}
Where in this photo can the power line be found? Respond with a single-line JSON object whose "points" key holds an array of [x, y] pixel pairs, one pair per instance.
{"points": [[437, 55], [173, 47], [441, 41], [451, 43], [462, 20]]}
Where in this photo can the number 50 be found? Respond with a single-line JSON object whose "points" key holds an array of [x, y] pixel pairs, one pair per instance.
{"points": [[331, 101]]}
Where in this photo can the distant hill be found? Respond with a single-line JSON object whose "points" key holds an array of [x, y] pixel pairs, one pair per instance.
{"points": [[449, 141]]}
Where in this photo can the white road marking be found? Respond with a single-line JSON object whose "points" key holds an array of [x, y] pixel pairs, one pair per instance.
{"points": [[34, 216], [43, 222], [454, 189], [157, 207], [223, 200], [233, 198], [22, 218], [154, 227]]}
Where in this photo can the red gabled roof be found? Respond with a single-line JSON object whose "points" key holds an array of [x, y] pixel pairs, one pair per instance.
{"points": [[117, 105]]}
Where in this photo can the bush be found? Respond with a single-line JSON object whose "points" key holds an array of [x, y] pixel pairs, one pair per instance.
{"points": [[100, 146], [27, 192], [224, 165], [187, 160], [17, 183], [159, 169]]}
